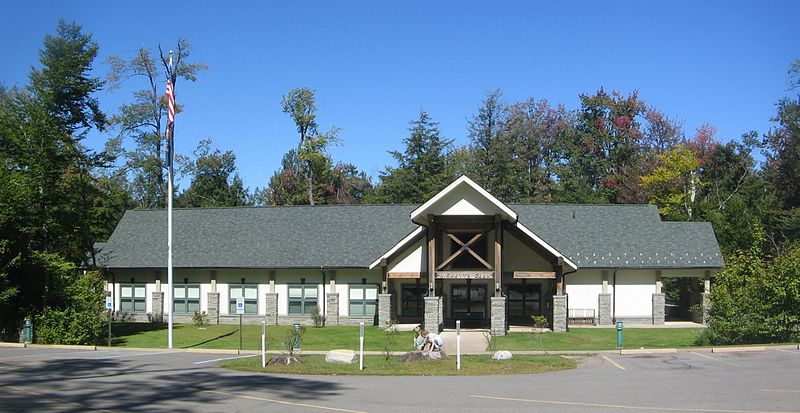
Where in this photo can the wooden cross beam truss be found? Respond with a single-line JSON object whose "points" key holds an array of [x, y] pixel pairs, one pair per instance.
{"points": [[466, 248]]}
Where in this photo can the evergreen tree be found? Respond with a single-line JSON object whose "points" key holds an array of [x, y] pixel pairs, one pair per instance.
{"points": [[422, 168]]}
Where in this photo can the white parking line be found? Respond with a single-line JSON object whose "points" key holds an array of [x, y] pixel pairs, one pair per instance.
{"points": [[612, 362], [628, 407], [714, 358], [312, 406], [781, 391], [226, 358]]}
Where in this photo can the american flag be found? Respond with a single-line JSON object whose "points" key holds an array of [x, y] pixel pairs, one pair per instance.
{"points": [[170, 103]]}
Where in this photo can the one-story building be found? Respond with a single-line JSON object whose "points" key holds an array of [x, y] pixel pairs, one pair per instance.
{"points": [[462, 255]]}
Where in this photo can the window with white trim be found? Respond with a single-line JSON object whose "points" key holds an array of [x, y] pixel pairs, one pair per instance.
{"points": [[250, 294], [363, 300], [132, 298], [303, 299], [186, 298]]}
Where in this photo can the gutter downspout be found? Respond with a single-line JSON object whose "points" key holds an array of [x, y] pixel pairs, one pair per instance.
{"points": [[325, 296], [564, 278], [614, 297]]}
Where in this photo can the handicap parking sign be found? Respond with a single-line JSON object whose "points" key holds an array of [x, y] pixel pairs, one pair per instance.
{"points": [[109, 303], [239, 305]]}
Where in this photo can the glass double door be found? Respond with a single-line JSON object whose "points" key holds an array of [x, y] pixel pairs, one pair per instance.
{"points": [[468, 302]]}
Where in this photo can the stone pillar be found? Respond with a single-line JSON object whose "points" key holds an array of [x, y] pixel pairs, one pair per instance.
{"points": [[271, 310], [658, 309], [559, 313], [157, 315], [331, 309], [706, 301], [604, 310], [213, 308], [433, 311], [384, 309], [498, 313]]}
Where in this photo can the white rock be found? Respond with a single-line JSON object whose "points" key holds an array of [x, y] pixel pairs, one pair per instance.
{"points": [[341, 356], [502, 355]]}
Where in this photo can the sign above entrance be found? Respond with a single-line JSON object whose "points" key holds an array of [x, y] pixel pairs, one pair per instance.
{"points": [[535, 274], [461, 275]]}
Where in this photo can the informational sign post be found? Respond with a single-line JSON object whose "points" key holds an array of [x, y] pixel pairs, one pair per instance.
{"points": [[240, 311], [458, 344], [110, 308], [361, 346], [263, 343]]}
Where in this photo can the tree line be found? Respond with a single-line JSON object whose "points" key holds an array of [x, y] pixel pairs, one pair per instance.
{"points": [[58, 197]]}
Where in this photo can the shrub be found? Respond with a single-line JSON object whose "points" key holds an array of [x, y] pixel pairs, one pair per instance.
{"points": [[200, 318], [753, 302], [82, 320]]}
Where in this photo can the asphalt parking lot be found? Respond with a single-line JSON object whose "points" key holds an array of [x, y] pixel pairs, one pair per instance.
{"points": [[75, 380]]}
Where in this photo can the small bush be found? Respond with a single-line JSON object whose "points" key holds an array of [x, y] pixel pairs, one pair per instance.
{"points": [[319, 319], [200, 318]]}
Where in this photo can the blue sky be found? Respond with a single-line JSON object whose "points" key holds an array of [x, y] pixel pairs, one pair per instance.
{"points": [[374, 65]]}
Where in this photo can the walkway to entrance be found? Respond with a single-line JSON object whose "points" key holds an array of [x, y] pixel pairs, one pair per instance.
{"points": [[472, 341]]}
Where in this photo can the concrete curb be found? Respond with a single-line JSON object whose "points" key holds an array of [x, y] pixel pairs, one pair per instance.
{"points": [[624, 352], [12, 345], [65, 346], [736, 349]]}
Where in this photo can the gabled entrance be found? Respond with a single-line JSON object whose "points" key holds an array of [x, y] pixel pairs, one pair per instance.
{"points": [[458, 254]]}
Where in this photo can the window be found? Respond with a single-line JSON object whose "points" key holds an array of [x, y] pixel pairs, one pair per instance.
{"points": [[132, 298], [302, 299], [524, 300], [250, 294], [466, 260], [363, 300], [186, 299], [413, 300]]}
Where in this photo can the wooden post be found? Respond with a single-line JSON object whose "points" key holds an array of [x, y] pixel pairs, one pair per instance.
{"points": [[559, 276], [384, 282], [498, 254], [431, 256]]}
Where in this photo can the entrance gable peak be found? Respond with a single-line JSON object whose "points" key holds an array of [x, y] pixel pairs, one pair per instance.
{"points": [[462, 197]]}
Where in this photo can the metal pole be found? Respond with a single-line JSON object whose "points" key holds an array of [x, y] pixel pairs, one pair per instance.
{"points": [[263, 343], [240, 333], [169, 226], [361, 347], [458, 344], [109, 328]]}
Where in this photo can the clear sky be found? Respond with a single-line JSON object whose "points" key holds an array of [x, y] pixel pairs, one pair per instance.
{"points": [[375, 64]]}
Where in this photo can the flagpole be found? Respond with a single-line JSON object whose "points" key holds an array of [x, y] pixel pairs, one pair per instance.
{"points": [[170, 146]]}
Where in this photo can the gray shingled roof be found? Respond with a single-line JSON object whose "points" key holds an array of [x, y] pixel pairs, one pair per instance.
{"points": [[355, 235], [625, 236]]}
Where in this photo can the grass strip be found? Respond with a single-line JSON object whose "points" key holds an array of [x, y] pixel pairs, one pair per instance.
{"points": [[380, 366]]}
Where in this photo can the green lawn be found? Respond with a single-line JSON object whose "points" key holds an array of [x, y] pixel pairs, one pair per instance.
{"points": [[600, 339], [379, 366], [227, 337]]}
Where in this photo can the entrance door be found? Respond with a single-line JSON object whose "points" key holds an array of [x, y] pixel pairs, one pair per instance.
{"points": [[468, 302]]}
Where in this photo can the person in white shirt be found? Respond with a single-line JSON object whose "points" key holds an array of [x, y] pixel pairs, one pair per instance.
{"points": [[433, 342]]}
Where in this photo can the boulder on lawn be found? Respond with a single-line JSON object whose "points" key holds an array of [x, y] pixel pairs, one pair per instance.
{"points": [[282, 359], [423, 356], [341, 356], [502, 355]]}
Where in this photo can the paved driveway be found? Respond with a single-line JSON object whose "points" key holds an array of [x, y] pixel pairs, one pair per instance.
{"points": [[64, 380]]}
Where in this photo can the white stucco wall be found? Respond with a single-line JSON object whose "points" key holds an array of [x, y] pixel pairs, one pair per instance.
{"points": [[584, 287], [634, 295]]}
